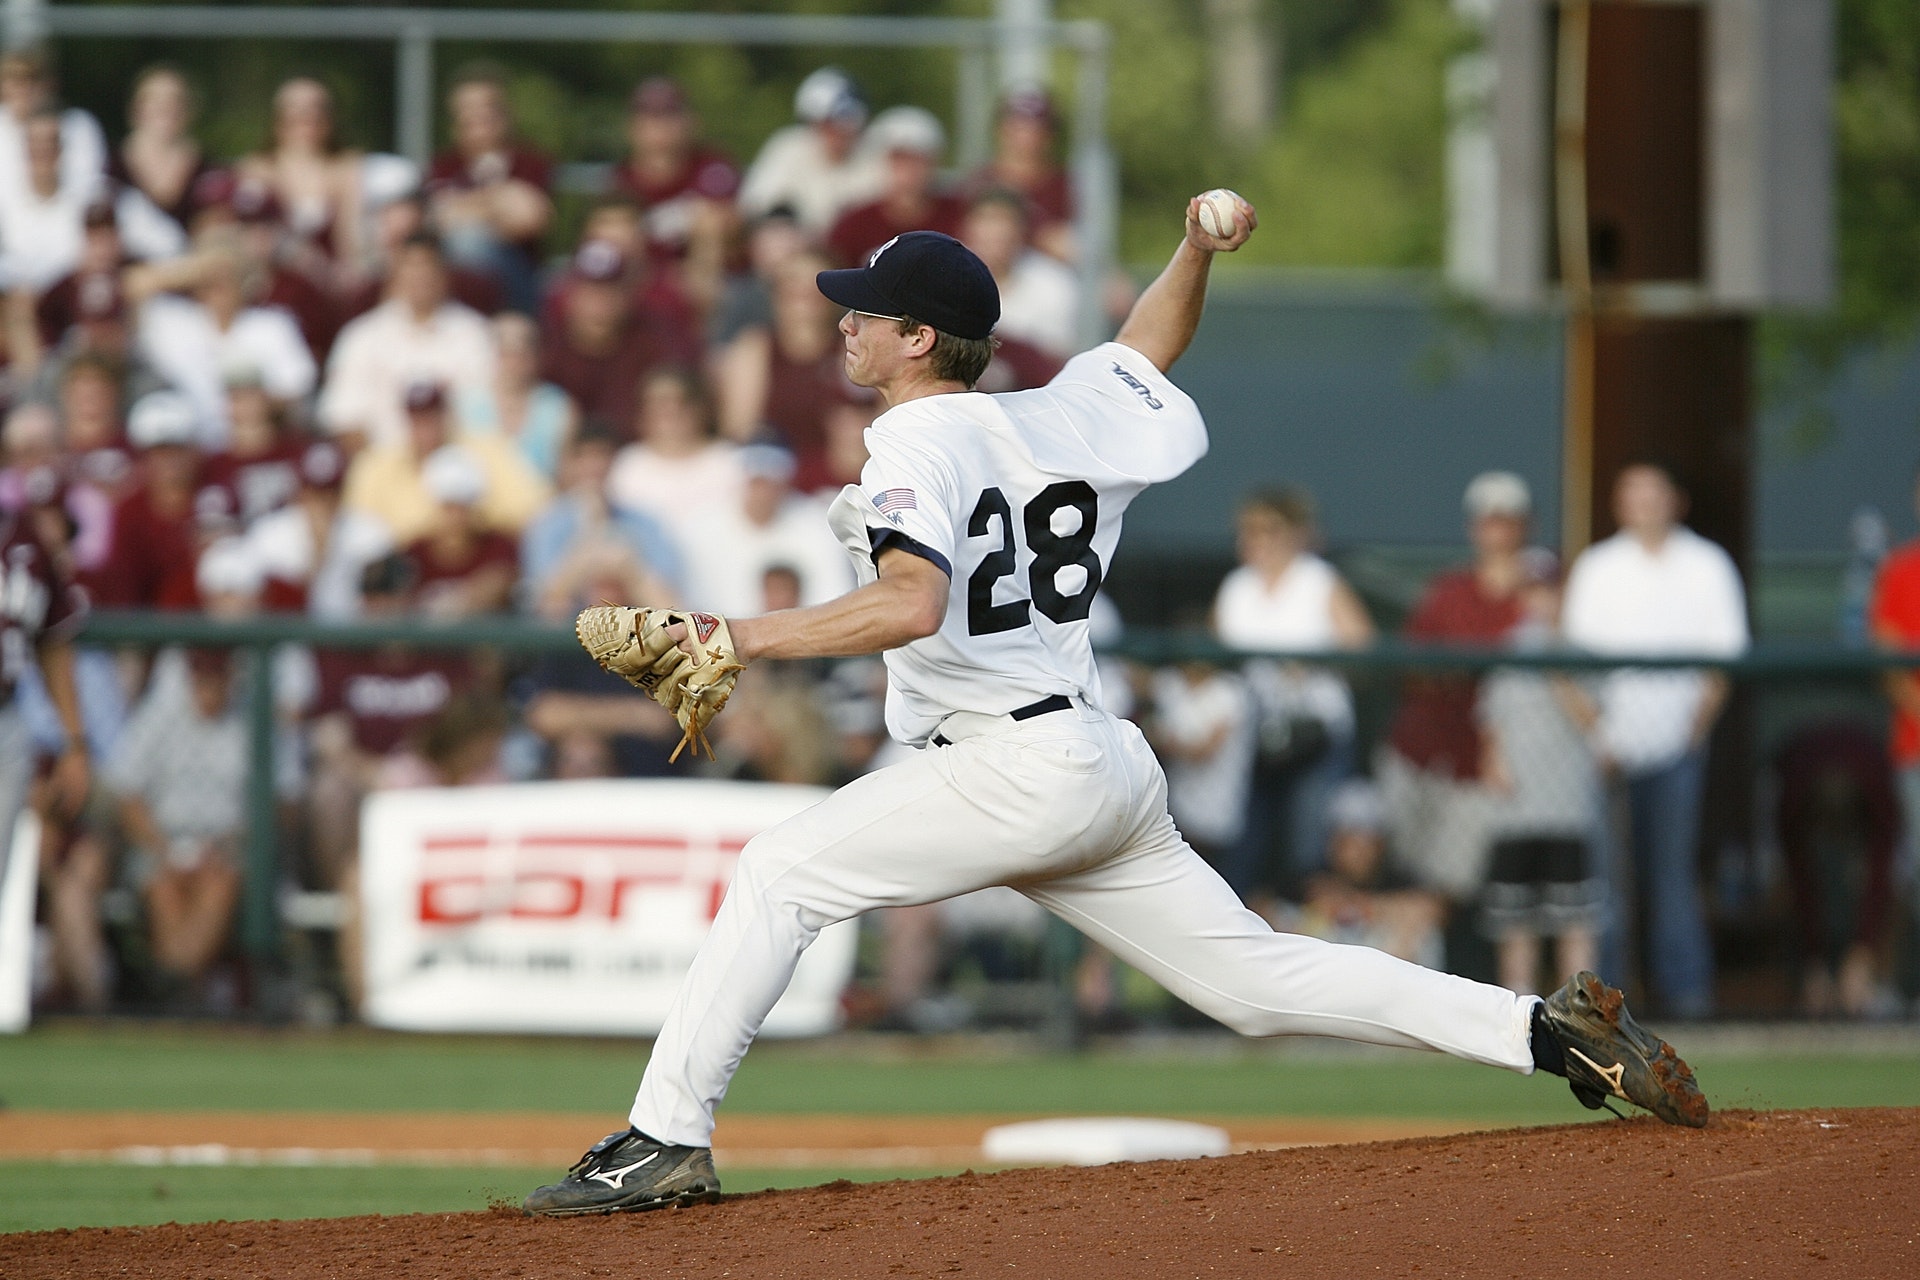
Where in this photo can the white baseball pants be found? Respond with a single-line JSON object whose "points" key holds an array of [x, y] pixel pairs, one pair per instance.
{"points": [[1071, 810]]}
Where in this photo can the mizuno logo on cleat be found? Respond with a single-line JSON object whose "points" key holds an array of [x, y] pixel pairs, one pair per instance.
{"points": [[1613, 1075], [616, 1178]]}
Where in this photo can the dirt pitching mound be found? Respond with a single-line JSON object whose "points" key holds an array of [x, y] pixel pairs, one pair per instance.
{"points": [[1831, 1193]]}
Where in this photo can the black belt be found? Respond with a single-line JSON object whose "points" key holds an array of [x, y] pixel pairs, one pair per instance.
{"points": [[1046, 706]]}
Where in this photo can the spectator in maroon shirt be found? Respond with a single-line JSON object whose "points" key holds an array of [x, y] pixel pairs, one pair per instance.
{"points": [[789, 380], [1430, 770], [1024, 160], [99, 464], [296, 279], [489, 194], [912, 140], [685, 187], [464, 567], [260, 467], [603, 345], [658, 294], [368, 708], [88, 285], [155, 541]]}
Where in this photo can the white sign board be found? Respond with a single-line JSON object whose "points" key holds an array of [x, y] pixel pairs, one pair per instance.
{"points": [[19, 875], [565, 907]]}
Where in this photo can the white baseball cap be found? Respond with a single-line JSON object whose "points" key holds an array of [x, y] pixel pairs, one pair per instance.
{"points": [[912, 129], [162, 417], [1498, 493], [829, 94], [453, 474]]}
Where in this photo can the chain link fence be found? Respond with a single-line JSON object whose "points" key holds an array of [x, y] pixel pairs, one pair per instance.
{"points": [[1726, 838]]}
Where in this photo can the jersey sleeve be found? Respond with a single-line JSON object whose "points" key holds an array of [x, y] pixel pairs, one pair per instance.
{"points": [[905, 499], [1129, 414]]}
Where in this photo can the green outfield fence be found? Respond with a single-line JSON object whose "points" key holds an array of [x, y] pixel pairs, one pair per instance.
{"points": [[1778, 686]]}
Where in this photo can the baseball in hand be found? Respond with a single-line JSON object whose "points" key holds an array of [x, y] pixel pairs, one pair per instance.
{"points": [[1217, 210]]}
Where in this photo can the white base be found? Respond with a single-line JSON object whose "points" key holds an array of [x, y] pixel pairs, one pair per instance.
{"points": [[1101, 1140]]}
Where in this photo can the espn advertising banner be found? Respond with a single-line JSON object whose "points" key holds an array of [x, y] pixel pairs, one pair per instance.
{"points": [[565, 907]]}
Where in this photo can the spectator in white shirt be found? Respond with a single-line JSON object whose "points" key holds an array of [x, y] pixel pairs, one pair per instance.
{"points": [[27, 89], [1039, 296], [42, 212], [193, 340], [767, 527], [1656, 587], [818, 168], [1203, 730], [417, 335], [678, 454], [1284, 597]]}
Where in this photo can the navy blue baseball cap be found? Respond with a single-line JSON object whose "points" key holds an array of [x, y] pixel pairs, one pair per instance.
{"points": [[931, 277]]}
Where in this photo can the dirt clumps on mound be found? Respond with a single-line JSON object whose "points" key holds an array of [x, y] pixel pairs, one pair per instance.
{"points": [[1829, 1193]]}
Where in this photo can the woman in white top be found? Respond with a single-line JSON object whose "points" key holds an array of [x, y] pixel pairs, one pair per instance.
{"points": [[679, 470], [1285, 597]]}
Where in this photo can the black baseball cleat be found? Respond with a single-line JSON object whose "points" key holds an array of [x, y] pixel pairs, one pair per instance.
{"points": [[627, 1172], [1609, 1055]]}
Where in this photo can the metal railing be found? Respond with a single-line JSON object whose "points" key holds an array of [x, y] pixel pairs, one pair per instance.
{"points": [[260, 636]]}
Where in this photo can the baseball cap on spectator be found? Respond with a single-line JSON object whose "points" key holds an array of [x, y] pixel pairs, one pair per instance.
{"points": [[162, 418], [425, 395], [657, 96], [99, 213], [1356, 805], [213, 190], [924, 274], [911, 129], [767, 462], [1030, 104], [386, 178], [453, 475], [323, 466], [1498, 493], [830, 94], [600, 261]]}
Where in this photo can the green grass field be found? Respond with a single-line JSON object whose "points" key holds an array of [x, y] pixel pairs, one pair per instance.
{"points": [[85, 1068]]}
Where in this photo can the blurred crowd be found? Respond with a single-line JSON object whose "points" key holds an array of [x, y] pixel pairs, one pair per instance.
{"points": [[313, 380]]}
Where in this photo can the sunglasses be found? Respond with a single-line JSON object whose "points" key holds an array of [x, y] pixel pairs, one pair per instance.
{"points": [[876, 315]]}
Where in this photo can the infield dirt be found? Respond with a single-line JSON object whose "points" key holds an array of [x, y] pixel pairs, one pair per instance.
{"points": [[1793, 1193]]}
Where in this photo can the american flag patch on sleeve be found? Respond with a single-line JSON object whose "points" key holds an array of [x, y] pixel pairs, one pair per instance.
{"points": [[888, 501]]}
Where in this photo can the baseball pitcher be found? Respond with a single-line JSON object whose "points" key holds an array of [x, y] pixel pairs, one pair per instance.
{"points": [[981, 529]]}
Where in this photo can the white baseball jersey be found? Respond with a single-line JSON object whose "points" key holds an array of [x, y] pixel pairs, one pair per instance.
{"points": [[1018, 497]]}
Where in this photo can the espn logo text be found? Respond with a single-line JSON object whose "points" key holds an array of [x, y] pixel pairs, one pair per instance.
{"points": [[569, 877]]}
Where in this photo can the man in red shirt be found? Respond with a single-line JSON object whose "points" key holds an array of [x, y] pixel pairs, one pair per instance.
{"points": [[603, 346], [490, 193], [684, 187], [1430, 771], [913, 142], [155, 544], [1895, 619]]}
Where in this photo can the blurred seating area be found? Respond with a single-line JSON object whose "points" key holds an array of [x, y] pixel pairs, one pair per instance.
{"points": [[311, 381]]}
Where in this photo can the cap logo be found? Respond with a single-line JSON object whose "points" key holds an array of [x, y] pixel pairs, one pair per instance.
{"points": [[875, 255]]}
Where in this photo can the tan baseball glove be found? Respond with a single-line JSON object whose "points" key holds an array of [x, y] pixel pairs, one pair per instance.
{"points": [[636, 645]]}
